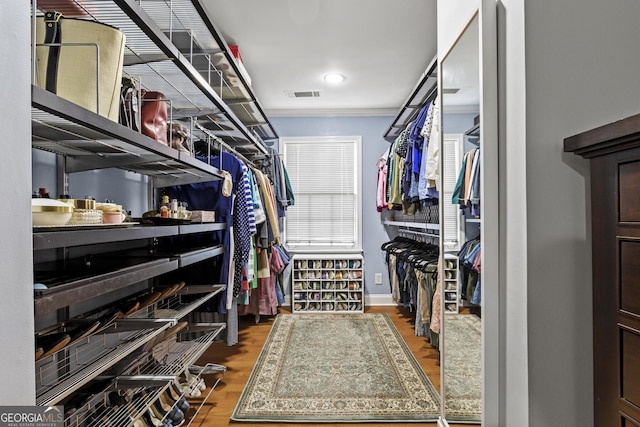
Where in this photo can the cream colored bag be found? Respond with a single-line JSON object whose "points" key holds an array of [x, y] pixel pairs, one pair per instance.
{"points": [[71, 71]]}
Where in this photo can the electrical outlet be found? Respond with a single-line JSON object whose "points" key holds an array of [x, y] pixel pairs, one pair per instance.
{"points": [[378, 278]]}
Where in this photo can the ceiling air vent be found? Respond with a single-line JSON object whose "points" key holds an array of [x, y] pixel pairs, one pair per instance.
{"points": [[303, 94]]}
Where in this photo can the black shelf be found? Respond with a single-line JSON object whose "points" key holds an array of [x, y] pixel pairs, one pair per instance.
{"points": [[151, 55], [90, 141], [425, 91], [195, 36], [86, 288], [87, 358], [473, 134], [51, 238], [474, 130], [157, 55], [195, 256], [72, 282], [200, 228], [76, 280], [146, 372], [96, 354], [256, 119]]}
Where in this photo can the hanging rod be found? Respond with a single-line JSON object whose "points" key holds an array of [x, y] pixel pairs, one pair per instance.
{"points": [[134, 381], [413, 224], [424, 92], [418, 233], [219, 140]]}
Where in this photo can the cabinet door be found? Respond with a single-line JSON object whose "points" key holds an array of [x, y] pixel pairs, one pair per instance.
{"points": [[616, 288]]}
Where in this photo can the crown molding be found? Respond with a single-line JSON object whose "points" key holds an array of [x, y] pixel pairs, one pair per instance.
{"points": [[462, 109], [331, 112]]}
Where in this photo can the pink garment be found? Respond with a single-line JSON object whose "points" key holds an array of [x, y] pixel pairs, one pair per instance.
{"points": [[478, 262], [436, 306], [268, 302], [381, 194], [263, 300]]}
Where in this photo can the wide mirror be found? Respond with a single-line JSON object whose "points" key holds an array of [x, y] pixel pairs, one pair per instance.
{"points": [[461, 246]]}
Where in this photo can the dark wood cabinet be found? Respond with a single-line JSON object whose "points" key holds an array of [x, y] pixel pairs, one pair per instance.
{"points": [[614, 154]]}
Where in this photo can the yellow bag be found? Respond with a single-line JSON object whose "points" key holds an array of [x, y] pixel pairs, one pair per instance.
{"points": [[68, 67]]}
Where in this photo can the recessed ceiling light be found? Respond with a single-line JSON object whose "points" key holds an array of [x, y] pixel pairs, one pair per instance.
{"points": [[334, 78]]}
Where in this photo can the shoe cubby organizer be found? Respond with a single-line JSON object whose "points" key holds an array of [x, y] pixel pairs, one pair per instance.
{"points": [[450, 281], [328, 283]]}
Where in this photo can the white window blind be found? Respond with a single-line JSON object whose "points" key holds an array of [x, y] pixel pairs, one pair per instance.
{"points": [[325, 175], [452, 146]]}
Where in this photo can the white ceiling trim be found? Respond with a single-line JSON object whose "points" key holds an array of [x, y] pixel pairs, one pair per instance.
{"points": [[462, 109], [333, 112]]}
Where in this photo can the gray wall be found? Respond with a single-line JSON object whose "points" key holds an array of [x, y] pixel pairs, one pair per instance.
{"points": [[588, 78], [563, 67], [125, 188], [373, 145], [457, 122], [16, 270]]}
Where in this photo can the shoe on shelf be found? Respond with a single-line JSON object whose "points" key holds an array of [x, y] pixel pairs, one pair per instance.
{"points": [[180, 402], [128, 308], [189, 392], [175, 391], [211, 368], [53, 343], [136, 420]]}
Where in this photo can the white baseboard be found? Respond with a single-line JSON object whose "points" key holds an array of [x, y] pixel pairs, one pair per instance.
{"points": [[442, 423], [370, 300]]}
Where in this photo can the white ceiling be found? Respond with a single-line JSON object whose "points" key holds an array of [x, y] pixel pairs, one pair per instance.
{"points": [[382, 47], [461, 70]]}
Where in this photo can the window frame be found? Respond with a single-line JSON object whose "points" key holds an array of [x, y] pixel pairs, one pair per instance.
{"points": [[350, 139]]}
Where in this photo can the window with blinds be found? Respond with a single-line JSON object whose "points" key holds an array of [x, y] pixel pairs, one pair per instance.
{"points": [[325, 173], [452, 226]]}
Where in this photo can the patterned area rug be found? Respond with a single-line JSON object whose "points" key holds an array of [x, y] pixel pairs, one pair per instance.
{"points": [[336, 368], [462, 369]]}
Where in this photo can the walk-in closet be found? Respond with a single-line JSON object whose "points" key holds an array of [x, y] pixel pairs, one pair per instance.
{"points": [[319, 212]]}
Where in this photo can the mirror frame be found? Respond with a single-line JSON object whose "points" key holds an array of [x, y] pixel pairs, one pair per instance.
{"points": [[490, 235]]}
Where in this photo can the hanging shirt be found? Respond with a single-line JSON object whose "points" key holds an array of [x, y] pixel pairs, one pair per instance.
{"points": [[395, 176], [457, 191], [432, 159], [245, 186], [256, 199], [381, 189], [291, 201], [269, 205], [209, 196]]}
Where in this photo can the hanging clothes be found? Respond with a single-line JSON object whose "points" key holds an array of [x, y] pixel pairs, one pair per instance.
{"points": [[431, 159], [470, 257], [274, 169], [416, 148], [227, 268], [409, 172], [381, 187], [209, 196], [466, 192], [412, 268], [269, 206], [395, 171]]}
